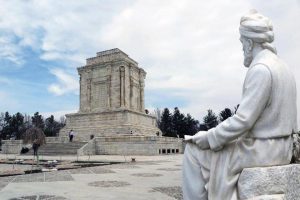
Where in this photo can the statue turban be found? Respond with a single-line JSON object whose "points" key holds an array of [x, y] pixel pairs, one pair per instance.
{"points": [[256, 27]]}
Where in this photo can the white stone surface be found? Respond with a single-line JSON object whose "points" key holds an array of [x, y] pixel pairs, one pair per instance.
{"points": [[254, 182], [268, 197]]}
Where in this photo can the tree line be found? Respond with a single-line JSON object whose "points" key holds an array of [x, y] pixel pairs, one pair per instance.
{"points": [[14, 126], [172, 124], [177, 124]]}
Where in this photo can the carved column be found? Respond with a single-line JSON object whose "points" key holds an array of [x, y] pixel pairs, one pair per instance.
{"points": [[89, 88], [108, 85], [142, 86], [131, 86], [122, 86], [80, 92], [142, 100]]}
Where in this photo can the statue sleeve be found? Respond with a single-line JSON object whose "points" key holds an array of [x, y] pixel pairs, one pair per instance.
{"points": [[255, 98]]}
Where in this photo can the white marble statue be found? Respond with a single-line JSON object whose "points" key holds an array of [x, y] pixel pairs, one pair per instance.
{"points": [[259, 134]]}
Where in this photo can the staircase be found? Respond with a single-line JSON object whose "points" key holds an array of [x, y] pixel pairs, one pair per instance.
{"points": [[69, 148]]}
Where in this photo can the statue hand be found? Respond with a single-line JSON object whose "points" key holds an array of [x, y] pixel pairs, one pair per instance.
{"points": [[201, 140], [188, 138]]}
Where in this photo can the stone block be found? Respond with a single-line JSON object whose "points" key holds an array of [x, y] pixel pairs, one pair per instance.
{"points": [[265, 183], [11, 146]]}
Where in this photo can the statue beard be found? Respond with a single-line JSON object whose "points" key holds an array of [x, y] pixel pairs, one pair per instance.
{"points": [[248, 58]]}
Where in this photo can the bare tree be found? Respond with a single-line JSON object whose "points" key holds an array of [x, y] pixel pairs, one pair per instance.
{"points": [[36, 137]]}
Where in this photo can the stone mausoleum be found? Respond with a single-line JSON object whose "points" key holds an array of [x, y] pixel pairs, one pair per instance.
{"points": [[112, 109], [111, 98]]}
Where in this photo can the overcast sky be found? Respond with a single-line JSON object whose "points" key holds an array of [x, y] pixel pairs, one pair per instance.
{"points": [[190, 49]]}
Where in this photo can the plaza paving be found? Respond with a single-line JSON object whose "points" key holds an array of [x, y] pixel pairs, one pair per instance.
{"points": [[150, 177]]}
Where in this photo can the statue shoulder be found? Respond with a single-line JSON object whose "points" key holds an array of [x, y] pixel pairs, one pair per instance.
{"points": [[267, 58]]}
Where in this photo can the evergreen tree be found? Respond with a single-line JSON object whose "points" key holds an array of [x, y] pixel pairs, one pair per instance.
{"points": [[12, 126], [52, 127], [2, 115], [210, 120], [224, 114], [6, 130], [165, 124], [178, 123], [17, 125], [38, 121], [191, 125]]}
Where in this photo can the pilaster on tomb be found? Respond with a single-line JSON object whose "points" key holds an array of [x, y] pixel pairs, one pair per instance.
{"points": [[142, 77], [122, 87], [108, 85]]}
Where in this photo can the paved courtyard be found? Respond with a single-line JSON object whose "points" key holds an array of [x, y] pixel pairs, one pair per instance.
{"points": [[150, 177]]}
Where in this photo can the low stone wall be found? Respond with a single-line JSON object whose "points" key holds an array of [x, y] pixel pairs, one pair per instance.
{"points": [[137, 145], [113, 145], [270, 183], [11, 146], [132, 145]]}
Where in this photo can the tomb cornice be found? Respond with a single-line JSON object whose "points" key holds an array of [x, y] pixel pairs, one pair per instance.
{"points": [[112, 63], [108, 111], [108, 56]]}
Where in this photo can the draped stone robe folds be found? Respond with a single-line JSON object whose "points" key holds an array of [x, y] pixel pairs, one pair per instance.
{"points": [[259, 134]]}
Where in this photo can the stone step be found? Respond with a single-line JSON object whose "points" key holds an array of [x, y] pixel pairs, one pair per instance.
{"points": [[59, 148], [55, 150]]}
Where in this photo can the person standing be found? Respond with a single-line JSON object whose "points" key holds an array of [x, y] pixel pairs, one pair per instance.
{"points": [[35, 147], [71, 135]]}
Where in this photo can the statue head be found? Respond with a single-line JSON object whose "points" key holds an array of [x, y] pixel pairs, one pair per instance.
{"points": [[256, 33]]}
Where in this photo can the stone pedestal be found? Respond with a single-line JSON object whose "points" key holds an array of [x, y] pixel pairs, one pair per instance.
{"points": [[270, 183], [110, 123]]}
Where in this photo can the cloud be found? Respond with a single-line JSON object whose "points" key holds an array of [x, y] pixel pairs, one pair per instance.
{"points": [[65, 31], [9, 51], [66, 83], [189, 49]]}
